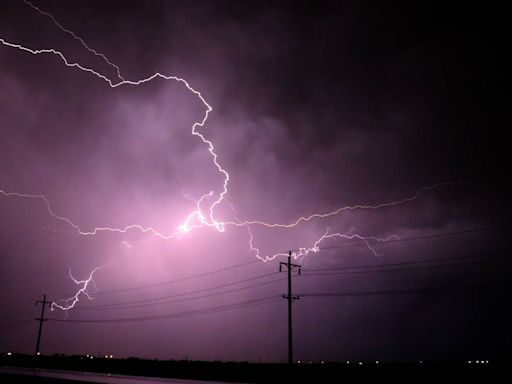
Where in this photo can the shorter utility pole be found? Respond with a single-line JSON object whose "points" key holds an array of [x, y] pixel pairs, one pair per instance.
{"points": [[290, 299], [41, 320]]}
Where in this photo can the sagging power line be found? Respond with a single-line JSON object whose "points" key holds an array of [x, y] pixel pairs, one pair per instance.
{"points": [[359, 269], [166, 282], [204, 311], [228, 268], [412, 265], [424, 237], [393, 292], [120, 306], [156, 299]]}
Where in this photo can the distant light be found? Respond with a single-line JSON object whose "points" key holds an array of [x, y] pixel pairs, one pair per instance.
{"points": [[310, 362], [322, 362], [478, 361], [111, 356], [38, 353], [92, 357], [298, 361], [360, 363], [348, 361], [106, 356], [487, 361], [421, 361], [87, 355], [469, 361], [9, 353], [377, 362]]}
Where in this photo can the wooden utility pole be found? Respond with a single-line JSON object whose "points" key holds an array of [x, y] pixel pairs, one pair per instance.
{"points": [[41, 320], [290, 299]]}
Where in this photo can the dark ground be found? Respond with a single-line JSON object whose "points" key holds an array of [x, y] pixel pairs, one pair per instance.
{"points": [[9, 378], [251, 372]]}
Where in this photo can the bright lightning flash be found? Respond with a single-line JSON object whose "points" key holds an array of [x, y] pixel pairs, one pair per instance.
{"points": [[204, 213], [70, 302]]}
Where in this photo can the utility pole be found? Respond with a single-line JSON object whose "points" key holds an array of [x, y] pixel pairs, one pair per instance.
{"points": [[290, 299], [41, 319]]}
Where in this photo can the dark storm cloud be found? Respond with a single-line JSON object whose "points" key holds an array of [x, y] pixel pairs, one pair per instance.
{"points": [[316, 106]]}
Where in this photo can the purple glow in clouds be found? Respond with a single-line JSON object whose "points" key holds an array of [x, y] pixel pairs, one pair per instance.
{"points": [[198, 218], [276, 131]]}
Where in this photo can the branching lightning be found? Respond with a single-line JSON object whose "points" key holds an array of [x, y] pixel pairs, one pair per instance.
{"points": [[69, 303], [78, 38], [340, 210], [204, 213]]}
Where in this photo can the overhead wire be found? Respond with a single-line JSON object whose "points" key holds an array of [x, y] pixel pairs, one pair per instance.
{"points": [[166, 282], [421, 237], [392, 292], [411, 265], [199, 312], [150, 304]]}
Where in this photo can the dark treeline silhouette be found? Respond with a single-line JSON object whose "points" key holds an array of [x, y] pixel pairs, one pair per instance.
{"points": [[244, 372]]}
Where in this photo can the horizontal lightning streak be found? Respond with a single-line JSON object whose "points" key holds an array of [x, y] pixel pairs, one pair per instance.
{"points": [[197, 218], [324, 215], [188, 224]]}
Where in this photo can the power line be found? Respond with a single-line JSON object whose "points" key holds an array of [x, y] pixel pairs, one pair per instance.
{"points": [[196, 290], [412, 264], [423, 237], [19, 303], [16, 318], [392, 292], [275, 298], [140, 287], [122, 290], [21, 312], [199, 312], [14, 324], [405, 269], [121, 306]]}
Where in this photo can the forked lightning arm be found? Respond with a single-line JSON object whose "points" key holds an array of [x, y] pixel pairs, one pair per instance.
{"points": [[204, 213]]}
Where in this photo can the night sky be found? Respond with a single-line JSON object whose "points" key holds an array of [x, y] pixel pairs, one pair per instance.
{"points": [[315, 106]]}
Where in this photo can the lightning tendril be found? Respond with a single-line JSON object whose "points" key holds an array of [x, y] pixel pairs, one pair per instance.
{"points": [[204, 213]]}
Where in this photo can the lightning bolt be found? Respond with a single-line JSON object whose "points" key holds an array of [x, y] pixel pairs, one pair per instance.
{"points": [[340, 210], [302, 252], [69, 303], [204, 213], [78, 38], [204, 220]]}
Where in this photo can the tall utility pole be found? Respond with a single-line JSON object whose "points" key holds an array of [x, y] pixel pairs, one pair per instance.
{"points": [[41, 319], [290, 299]]}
